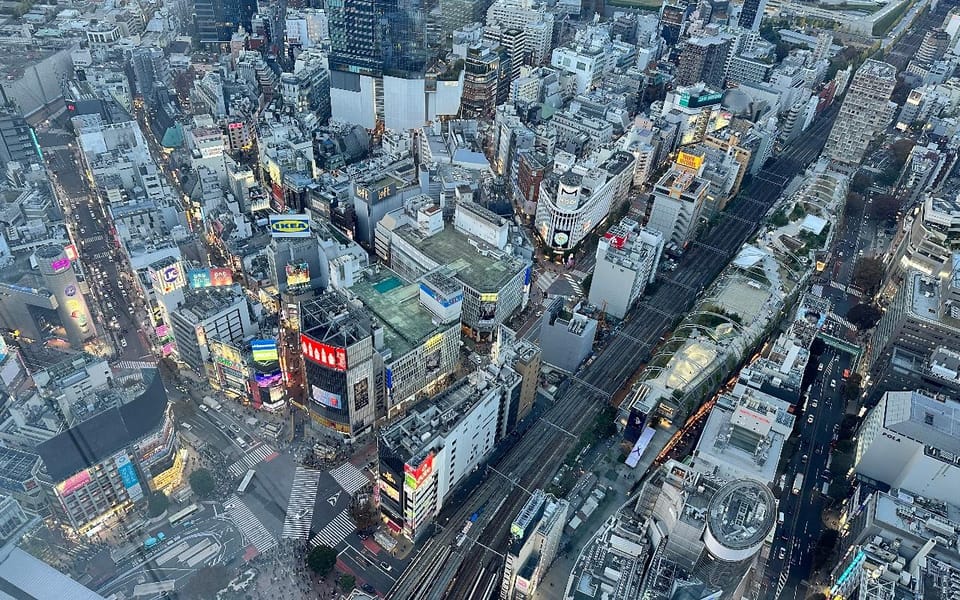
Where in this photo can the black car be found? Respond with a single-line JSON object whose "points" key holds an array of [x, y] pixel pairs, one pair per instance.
{"points": [[368, 588]]}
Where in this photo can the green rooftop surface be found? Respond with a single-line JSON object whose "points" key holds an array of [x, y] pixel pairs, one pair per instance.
{"points": [[397, 306], [485, 274]]}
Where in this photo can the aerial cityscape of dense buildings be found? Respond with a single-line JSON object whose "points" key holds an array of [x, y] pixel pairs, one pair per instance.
{"points": [[479, 299]]}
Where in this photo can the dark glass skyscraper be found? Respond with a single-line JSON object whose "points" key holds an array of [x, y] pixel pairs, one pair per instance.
{"points": [[217, 20], [377, 37], [751, 14]]}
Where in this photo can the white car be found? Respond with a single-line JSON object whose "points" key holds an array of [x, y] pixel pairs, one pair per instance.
{"points": [[810, 420], [123, 342], [833, 383]]}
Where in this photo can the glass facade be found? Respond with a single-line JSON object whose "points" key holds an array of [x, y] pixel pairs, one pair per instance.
{"points": [[378, 37]]}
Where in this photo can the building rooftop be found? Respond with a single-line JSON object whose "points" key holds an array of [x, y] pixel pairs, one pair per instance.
{"points": [[932, 421], [477, 264], [101, 436], [396, 304], [745, 433], [331, 319], [412, 437], [22, 576], [203, 303], [741, 514], [15, 467]]}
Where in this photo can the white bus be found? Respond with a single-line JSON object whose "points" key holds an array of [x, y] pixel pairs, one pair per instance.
{"points": [[153, 589], [246, 481], [183, 514]]}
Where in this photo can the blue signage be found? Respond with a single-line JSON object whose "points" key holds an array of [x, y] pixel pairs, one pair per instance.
{"points": [[199, 278], [128, 475], [527, 276], [389, 379]]}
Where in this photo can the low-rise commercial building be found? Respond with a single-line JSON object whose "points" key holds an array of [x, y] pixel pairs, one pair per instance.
{"points": [[575, 202], [534, 542], [423, 456], [495, 282], [627, 259], [566, 336], [100, 468]]}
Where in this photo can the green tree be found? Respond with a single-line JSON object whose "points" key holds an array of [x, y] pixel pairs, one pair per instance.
{"points": [[202, 483], [322, 559], [156, 504], [347, 582], [884, 207], [861, 182], [851, 389], [868, 274], [824, 548], [864, 316]]}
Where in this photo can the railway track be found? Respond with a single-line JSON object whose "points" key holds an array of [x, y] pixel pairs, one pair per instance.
{"points": [[471, 569]]}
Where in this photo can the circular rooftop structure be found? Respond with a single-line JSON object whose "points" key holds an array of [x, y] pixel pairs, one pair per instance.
{"points": [[739, 517], [48, 251]]}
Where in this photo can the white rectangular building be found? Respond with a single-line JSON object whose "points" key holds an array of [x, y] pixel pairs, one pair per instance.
{"points": [[423, 456], [911, 440], [627, 259]]}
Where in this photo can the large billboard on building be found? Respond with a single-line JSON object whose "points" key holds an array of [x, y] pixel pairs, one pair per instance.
{"points": [[290, 226], [169, 278], [264, 351], [228, 356], [128, 475], [413, 477], [298, 274], [326, 398], [266, 380], [322, 354], [561, 239], [74, 483], [209, 277]]}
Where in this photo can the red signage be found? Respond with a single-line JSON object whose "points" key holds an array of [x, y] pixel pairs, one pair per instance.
{"points": [[322, 354], [71, 251], [617, 241], [220, 276], [421, 472]]}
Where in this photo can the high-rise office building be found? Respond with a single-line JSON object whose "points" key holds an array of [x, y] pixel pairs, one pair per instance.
{"points": [[480, 82], [751, 14], [379, 66], [16, 139], [216, 21], [703, 60], [865, 112]]}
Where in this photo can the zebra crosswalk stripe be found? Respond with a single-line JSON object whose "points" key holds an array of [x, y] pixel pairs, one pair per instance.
{"points": [[136, 364], [303, 495], [250, 459], [334, 532], [251, 529], [350, 478]]}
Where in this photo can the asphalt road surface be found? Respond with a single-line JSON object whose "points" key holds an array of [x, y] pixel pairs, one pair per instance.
{"points": [[803, 523]]}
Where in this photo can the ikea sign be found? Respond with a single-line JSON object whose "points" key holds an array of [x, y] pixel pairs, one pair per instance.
{"points": [[290, 226]]}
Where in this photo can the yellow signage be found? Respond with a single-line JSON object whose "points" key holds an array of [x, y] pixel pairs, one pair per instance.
{"points": [[488, 297], [690, 161]]}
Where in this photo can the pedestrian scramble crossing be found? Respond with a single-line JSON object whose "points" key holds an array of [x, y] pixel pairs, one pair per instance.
{"points": [[334, 532], [350, 478], [251, 529], [254, 456], [136, 364], [303, 495], [574, 284]]}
